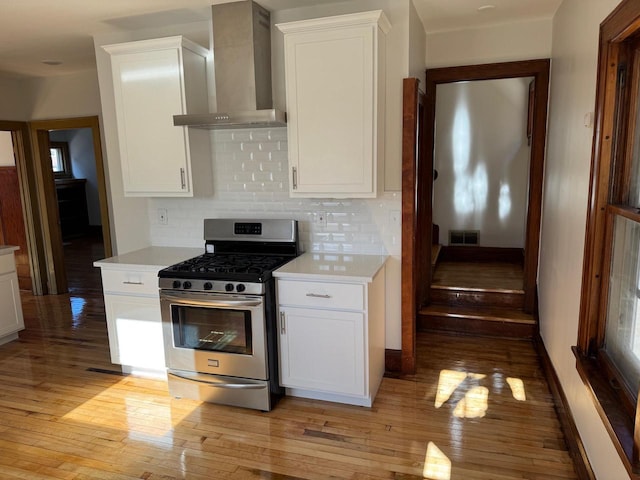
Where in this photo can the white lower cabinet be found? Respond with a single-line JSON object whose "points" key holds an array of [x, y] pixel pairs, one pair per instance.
{"points": [[134, 323], [135, 331], [11, 319], [332, 339], [322, 350]]}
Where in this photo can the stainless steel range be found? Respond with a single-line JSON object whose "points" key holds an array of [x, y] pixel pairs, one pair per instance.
{"points": [[219, 314]]}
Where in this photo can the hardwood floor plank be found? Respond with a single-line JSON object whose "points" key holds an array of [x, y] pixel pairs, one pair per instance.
{"points": [[66, 413]]}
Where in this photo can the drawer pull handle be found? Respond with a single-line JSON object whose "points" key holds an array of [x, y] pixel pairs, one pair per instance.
{"points": [[133, 283], [318, 295], [283, 328], [183, 183]]}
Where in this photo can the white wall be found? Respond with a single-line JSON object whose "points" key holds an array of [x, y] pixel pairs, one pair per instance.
{"points": [[417, 48], [482, 159], [499, 43], [7, 159], [573, 89], [83, 165], [13, 99], [65, 96]]}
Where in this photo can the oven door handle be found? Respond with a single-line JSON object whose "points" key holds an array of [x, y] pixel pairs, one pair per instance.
{"points": [[217, 303], [219, 384]]}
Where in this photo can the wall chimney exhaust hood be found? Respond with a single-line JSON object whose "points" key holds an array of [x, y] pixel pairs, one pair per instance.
{"points": [[242, 65]]}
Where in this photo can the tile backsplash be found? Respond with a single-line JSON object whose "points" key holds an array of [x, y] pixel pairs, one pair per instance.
{"points": [[251, 181]]}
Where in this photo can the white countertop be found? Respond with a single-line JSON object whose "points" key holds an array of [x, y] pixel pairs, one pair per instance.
{"points": [[332, 267], [150, 258], [7, 249]]}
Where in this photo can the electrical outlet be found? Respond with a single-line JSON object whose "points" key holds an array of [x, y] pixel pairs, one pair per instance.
{"points": [[163, 219], [321, 219]]}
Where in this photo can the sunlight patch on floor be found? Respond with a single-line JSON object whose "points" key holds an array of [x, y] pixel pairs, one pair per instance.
{"points": [[450, 381], [517, 388], [437, 465], [474, 404], [141, 420]]}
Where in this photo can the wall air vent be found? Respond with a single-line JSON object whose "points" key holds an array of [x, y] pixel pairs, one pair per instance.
{"points": [[464, 237]]}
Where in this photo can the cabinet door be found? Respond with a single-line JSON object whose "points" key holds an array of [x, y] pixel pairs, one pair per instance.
{"points": [[135, 331], [11, 320], [331, 105], [148, 89], [322, 350]]}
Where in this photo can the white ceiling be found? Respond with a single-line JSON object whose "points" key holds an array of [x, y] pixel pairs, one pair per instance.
{"points": [[35, 30]]}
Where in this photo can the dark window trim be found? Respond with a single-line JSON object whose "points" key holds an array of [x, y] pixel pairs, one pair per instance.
{"points": [[66, 160], [609, 188]]}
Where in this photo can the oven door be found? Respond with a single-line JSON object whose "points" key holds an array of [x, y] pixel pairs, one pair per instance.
{"points": [[215, 333]]}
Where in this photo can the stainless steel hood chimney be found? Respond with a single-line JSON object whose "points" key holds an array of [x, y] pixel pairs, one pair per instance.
{"points": [[242, 64]]}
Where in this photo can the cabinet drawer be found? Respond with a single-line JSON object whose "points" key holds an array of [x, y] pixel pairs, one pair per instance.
{"points": [[343, 296], [130, 282], [7, 263]]}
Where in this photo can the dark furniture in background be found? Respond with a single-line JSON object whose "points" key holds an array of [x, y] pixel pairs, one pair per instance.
{"points": [[72, 206]]}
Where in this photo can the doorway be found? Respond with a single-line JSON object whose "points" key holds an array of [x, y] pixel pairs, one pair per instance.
{"points": [[19, 205], [73, 191], [418, 224]]}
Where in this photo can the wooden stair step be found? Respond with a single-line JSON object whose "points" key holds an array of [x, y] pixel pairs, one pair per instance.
{"points": [[492, 314], [477, 297], [479, 320]]}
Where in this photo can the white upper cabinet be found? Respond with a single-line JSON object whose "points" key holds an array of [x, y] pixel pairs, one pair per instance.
{"points": [[335, 83], [153, 80]]}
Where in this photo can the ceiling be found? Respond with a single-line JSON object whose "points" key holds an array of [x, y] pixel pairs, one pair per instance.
{"points": [[33, 31]]}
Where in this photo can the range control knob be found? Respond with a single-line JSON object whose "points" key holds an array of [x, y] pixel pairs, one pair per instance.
{"points": [[186, 285], [240, 287], [177, 283], [207, 286], [229, 287]]}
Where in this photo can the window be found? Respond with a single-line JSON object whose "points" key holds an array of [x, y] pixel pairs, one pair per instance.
{"points": [[608, 351], [60, 162]]}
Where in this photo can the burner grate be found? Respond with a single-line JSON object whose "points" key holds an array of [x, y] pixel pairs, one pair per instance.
{"points": [[219, 264]]}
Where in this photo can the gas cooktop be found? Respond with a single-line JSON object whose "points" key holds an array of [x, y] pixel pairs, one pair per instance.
{"points": [[238, 267], [240, 256]]}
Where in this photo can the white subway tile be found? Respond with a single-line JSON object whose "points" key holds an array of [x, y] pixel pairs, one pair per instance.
{"points": [[251, 181]]}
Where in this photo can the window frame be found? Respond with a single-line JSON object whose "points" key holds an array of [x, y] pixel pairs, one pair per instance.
{"points": [[618, 85], [66, 159]]}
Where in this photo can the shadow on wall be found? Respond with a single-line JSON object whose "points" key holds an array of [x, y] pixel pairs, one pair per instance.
{"points": [[482, 158]]}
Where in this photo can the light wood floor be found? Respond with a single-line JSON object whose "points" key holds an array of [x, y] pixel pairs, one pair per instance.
{"points": [[65, 414], [481, 275]]}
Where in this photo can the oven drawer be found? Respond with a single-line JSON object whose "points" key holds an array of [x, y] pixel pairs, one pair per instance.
{"points": [[343, 296], [130, 282]]}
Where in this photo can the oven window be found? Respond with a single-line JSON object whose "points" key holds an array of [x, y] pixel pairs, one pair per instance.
{"points": [[212, 329]]}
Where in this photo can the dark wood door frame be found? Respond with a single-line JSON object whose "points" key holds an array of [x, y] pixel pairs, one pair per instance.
{"points": [[49, 217], [416, 227], [31, 213], [413, 214]]}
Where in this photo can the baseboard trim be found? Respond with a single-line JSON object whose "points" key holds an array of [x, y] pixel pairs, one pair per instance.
{"points": [[393, 360], [567, 423]]}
